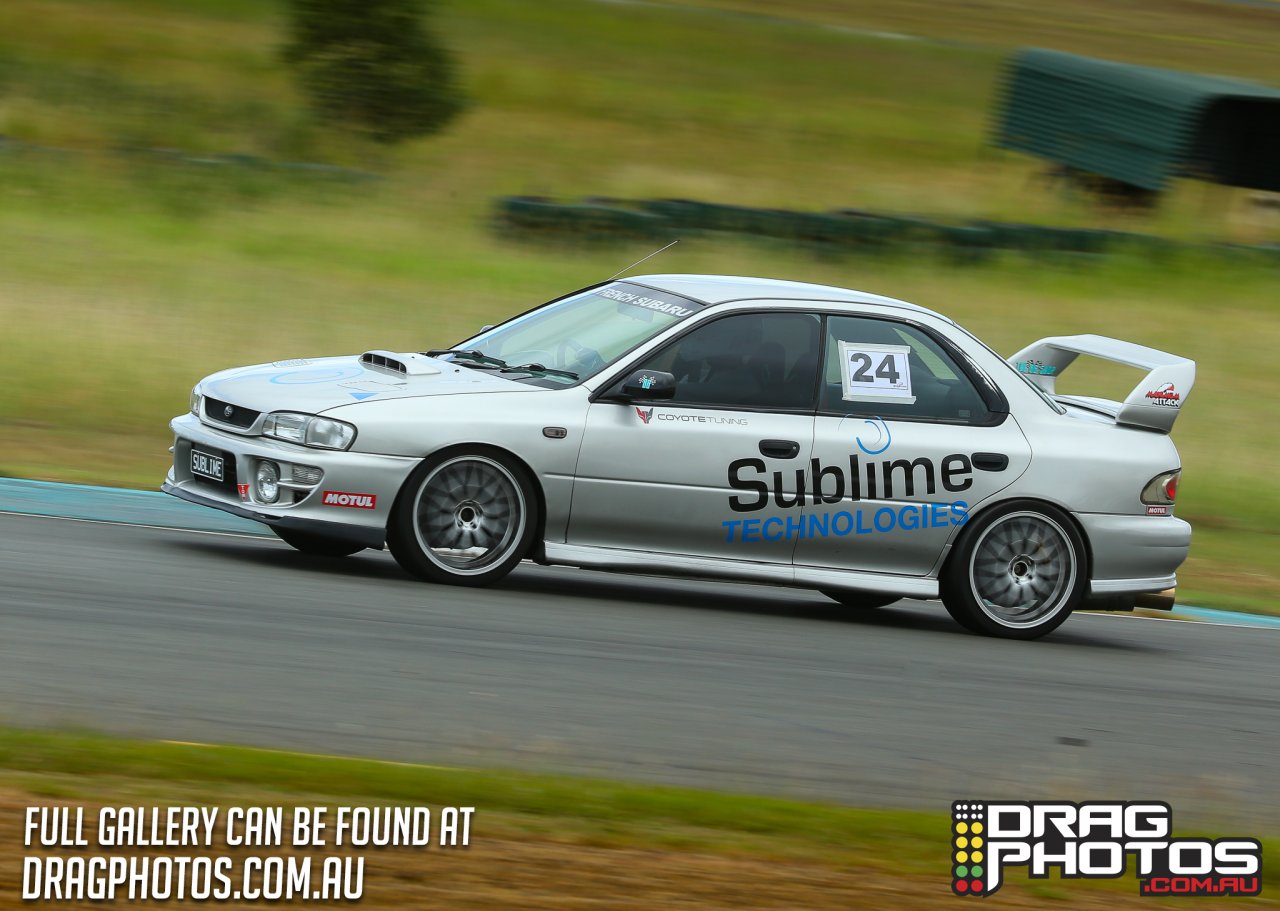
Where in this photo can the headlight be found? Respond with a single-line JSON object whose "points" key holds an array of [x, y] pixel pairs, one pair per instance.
{"points": [[196, 397], [285, 426], [326, 433], [309, 430]]}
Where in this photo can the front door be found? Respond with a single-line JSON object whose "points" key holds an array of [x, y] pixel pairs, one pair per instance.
{"points": [[717, 470]]}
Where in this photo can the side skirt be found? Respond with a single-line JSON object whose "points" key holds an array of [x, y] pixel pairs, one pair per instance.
{"points": [[740, 570]]}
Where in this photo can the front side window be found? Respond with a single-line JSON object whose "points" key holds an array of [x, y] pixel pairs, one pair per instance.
{"points": [[892, 369], [745, 360], [569, 340]]}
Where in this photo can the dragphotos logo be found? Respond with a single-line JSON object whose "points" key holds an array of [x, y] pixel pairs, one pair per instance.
{"points": [[1095, 839]]}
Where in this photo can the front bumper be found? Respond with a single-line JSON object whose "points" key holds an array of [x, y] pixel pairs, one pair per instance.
{"points": [[351, 478], [1135, 554]]}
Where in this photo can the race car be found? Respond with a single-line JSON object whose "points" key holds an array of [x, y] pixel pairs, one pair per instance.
{"points": [[723, 427]]}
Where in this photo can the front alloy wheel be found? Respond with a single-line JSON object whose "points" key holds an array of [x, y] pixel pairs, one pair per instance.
{"points": [[1018, 573], [465, 519]]}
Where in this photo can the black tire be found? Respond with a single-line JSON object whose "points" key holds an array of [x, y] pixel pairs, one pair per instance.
{"points": [[1018, 571], [458, 503], [859, 600], [318, 545]]}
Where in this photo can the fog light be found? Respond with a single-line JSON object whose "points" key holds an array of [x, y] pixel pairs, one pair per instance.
{"points": [[307, 474], [267, 482]]}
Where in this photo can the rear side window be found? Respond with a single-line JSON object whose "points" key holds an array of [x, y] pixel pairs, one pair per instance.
{"points": [[893, 369]]}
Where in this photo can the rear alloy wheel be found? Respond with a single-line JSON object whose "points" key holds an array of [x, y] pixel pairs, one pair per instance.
{"points": [[859, 600], [317, 545], [1018, 573], [464, 519]]}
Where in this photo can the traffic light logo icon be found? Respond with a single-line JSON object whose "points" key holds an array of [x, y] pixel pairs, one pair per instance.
{"points": [[968, 848]]}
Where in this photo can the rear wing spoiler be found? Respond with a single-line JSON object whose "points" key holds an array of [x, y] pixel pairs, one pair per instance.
{"points": [[1154, 403]]}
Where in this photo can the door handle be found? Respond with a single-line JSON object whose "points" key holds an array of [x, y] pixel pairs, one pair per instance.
{"points": [[990, 461], [779, 449]]}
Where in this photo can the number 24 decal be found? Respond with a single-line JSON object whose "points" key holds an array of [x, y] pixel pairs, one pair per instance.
{"points": [[861, 372], [875, 373]]}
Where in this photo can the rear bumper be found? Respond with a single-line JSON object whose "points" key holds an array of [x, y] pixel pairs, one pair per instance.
{"points": [[1134, 554]]}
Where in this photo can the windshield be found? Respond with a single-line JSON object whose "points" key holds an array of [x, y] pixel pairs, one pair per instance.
{"points": [[569, 340]]}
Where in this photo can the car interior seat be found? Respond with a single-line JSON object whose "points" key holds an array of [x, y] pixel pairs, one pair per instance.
{"points": [[713, 366]]}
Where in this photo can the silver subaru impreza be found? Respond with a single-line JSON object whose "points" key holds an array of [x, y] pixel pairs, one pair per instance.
{"points": [[725, 427]]}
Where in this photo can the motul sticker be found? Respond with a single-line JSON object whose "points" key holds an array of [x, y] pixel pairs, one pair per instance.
{"points": [[349, 500], [243, 490]]}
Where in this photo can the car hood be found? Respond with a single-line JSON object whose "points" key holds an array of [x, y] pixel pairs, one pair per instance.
{"points": [[314, 385]]}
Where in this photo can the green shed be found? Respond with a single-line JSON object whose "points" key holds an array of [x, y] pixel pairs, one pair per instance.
{"points": [[1139, 125]]}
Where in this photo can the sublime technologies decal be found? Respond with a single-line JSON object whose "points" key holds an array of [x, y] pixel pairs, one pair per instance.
{"points": [[872, 479], [844, 522]]}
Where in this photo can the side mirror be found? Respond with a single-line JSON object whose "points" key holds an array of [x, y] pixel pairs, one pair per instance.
{"points": [[649, 384]]}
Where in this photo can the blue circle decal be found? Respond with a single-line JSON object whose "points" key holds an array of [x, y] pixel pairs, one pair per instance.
{"points": [[883, 433], [308, 377]]}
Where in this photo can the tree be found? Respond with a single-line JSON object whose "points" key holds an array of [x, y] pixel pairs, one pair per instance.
{"points": [[372, 66]]}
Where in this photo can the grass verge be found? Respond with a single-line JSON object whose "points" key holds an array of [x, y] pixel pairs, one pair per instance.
{"points": [[543, 837]]}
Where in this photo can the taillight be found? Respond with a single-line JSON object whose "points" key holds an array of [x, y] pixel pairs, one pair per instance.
{"points": [[1162, 490]]}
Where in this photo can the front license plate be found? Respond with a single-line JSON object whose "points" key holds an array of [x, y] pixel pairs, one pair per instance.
{"points": [[205, 465]]}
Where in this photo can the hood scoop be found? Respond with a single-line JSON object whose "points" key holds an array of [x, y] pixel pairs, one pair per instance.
{"points": [[410, 364]]}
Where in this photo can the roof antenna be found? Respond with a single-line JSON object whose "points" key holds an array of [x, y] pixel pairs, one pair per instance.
{"points": [[650, 256]]}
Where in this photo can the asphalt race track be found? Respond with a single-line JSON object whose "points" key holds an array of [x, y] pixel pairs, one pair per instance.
{"points": [[182, 635]]}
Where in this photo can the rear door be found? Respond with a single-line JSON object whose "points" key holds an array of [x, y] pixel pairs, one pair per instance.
{"points": [[660, 476], [908, 439]]}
